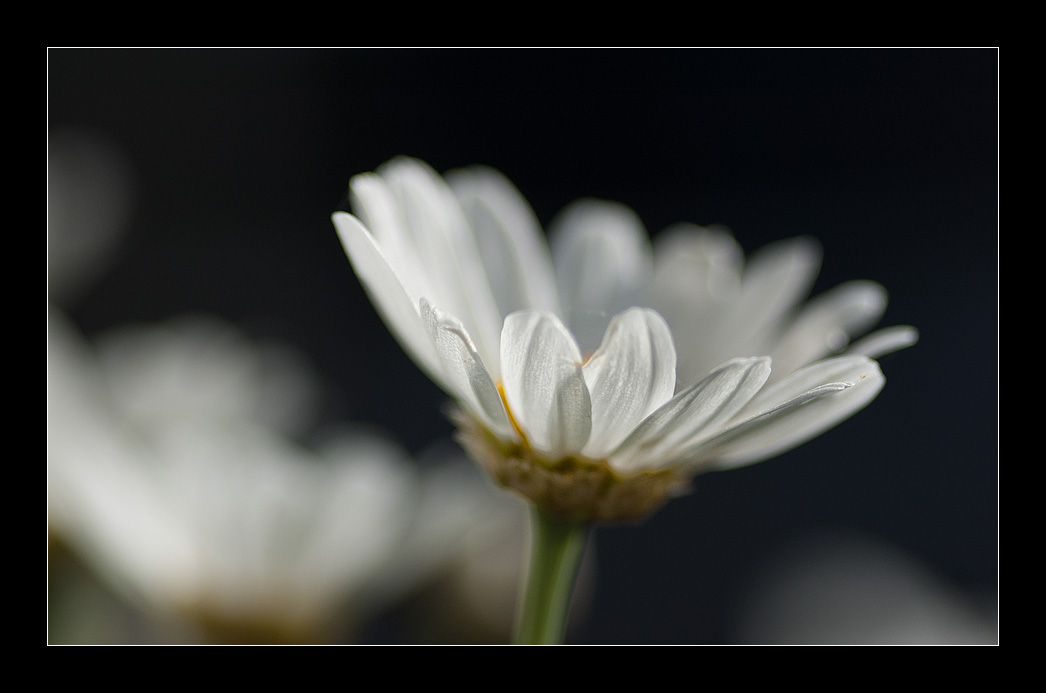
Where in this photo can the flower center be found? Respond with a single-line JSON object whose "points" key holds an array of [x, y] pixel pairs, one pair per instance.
{"points": [[579, 487]]}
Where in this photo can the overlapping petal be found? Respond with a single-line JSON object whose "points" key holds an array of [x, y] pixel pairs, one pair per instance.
{"points": [[544, 383], [387, 291], [719, 309], [602, 257], [432, 246], [828, 322], [632, 373], [694, 413], [776, 279], [463, 370], [804, 405], [511, 244]]}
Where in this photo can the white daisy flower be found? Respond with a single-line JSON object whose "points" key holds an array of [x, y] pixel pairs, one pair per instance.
{"points": [[172, 477], [566, 381]]}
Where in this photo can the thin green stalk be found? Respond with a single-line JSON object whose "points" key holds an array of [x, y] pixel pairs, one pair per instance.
{"points": [[556, 545]]}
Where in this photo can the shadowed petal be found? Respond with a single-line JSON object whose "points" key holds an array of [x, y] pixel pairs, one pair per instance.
{"points": [[697, 277], [602, 257], [464, 370], [827, 323], [776, 279], [511, 244]]}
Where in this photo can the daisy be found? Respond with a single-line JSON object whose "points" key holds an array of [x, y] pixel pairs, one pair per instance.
{"points": [[173, 475], [566, 378]]}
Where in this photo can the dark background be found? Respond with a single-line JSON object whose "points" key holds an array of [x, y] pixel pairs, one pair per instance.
{"points": [[888, 157]]}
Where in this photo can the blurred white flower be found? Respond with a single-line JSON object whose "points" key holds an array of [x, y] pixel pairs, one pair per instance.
{"points": [[201, 367], [587, 420], [169, 479]]}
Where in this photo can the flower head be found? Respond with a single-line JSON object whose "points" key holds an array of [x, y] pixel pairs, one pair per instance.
{"points": [[565, 376]]}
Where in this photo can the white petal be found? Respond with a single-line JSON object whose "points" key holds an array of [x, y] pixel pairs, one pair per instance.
{"points": [[377, 208], [697, 277], [698, 265], [544, 384], [777, 278], [632, 373], [511, 243], [802, 406], [828, 322], [602, 257], [693, 414], [447, 259], [387, 293], [464, 370], [885, 341]]}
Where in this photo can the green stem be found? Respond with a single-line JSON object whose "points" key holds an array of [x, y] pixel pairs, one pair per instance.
{"points": [[556, 544]]}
